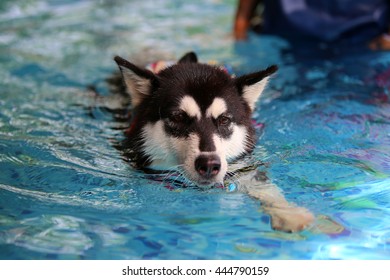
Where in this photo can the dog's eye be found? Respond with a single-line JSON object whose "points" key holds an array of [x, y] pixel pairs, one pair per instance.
{"points": [[224, 120], [178, 117]]}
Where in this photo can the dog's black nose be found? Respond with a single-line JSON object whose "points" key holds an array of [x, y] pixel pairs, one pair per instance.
{"points": [[208, 166]]}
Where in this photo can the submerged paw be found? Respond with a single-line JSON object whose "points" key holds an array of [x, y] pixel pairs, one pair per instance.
{"points": [[291, 219]]}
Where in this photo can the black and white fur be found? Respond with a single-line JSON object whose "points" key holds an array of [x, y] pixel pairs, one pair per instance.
{"points": [[193, 117]]}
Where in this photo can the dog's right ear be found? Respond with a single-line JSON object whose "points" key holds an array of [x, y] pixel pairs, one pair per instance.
{"points": [[138, 82], [189, 58]]}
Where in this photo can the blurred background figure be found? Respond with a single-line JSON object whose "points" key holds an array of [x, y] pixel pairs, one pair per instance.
{"points": [[329, 21]]}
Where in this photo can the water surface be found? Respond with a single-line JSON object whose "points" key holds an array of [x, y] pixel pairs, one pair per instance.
{"points": [[66, 193]]}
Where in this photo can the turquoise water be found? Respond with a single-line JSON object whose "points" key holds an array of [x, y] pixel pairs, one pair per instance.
{"points": [[66, 193]]}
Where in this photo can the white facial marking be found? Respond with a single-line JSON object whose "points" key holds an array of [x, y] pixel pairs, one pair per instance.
{"points": [[252, 93], [189, 105], [235, 145], [156, 145], [220, 150], [217, 108], [169, 152]]}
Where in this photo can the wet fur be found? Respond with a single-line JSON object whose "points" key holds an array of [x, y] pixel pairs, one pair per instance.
{"points": [[155, 97]]}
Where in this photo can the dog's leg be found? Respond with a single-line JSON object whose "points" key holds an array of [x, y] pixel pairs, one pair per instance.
{"points": [[284, 215]]}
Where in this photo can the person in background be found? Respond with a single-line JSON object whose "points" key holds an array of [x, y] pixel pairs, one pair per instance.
{"points": [[328, 21]]}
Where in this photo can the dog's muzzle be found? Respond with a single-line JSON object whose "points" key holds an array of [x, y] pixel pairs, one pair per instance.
{"points": [[208, 166]]}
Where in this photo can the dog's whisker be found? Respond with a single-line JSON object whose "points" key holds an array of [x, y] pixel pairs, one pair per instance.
{"points": [[175, 176], [170, 175]]}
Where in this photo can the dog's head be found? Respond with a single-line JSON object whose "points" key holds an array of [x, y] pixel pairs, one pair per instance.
{"points": [[192, 117]]}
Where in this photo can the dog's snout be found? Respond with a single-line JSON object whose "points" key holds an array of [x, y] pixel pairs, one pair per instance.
{"points": [[208, 166]]}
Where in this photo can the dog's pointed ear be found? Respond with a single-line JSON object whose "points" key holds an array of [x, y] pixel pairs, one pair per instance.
{"points": [[189, 57], [138, 82], [251, 86]]}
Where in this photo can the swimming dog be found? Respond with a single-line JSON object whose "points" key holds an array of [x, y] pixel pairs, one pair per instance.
{"points": [[196, 118]]}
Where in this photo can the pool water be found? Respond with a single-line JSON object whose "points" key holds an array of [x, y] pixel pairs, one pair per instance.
{"points": [[66, 193]]}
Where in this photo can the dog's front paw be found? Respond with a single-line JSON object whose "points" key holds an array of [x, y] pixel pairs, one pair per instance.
{"points": [[290, 219]]}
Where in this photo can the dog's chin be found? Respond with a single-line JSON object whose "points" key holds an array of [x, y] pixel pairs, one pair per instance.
{"points": [[207, 183]]}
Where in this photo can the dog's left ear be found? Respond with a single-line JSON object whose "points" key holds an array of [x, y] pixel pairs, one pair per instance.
{"points": [[189, 58], [251, 86], [138, 82]]}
